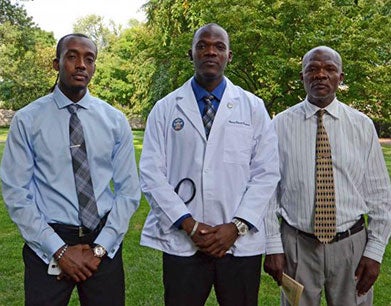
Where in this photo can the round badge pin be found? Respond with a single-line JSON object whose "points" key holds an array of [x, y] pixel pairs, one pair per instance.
{"points": [[177, 124]]}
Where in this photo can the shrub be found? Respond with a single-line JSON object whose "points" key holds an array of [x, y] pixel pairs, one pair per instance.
{"points": [[383, 127]]}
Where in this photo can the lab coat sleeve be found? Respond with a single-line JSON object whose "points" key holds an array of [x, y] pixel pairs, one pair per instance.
{"points": [[165, 204], [264, 170], [272, 222], [272, 228]]}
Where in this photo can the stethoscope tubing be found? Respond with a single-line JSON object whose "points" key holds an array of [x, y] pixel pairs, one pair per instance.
{"points": [[176, 189]]}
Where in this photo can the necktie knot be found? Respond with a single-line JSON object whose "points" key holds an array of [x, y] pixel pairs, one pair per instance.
{"points": [[321, 112], [208, 100], [72, 108]]}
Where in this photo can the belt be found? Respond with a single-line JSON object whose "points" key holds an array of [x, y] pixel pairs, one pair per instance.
{"points": [[78, 234], [357, 227]]}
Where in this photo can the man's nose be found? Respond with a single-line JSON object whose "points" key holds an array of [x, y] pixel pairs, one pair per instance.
{"points": [[321, 74], [80, 64], [211, 50]]}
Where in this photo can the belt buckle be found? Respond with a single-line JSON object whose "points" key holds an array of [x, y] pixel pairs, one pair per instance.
{"points": [[81, 232]]}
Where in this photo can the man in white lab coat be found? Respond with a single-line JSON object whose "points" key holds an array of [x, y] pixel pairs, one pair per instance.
{"points": [[218, 237]]}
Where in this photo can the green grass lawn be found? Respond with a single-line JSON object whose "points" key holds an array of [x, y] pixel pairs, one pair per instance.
{"points": [[3, 134], [142, 265]]}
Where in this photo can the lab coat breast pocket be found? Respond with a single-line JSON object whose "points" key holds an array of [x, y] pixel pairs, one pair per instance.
{"points": [[238, 144]]}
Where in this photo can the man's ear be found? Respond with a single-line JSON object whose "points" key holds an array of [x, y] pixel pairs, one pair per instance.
{"points": [[230, 56], [190, 54], [56, 64], [341, 77]]}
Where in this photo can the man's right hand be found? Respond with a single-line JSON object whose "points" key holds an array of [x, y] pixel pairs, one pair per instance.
{"points": [[78, 263], [274, 265], [199, 240]]}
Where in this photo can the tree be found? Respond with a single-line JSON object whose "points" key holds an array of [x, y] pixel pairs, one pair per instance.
{"points": [[95, 27], [25, 57], [269, 37], [124, 75]]}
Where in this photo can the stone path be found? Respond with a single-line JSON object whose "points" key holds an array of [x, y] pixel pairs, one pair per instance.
{"points": [[385, 141]]}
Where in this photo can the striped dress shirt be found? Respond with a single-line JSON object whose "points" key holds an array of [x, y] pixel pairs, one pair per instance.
{"points": [[362, 183]]}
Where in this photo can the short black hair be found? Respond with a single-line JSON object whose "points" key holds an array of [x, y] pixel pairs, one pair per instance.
{"points": [[209, 26], [337, 57], [61, 43]]}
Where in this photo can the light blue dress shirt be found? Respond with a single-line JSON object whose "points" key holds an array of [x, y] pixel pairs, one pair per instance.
{"points": [[37, 176], [200, 93]]}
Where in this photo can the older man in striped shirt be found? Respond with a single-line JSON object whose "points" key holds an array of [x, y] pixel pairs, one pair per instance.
{"points": [[346, 265]]}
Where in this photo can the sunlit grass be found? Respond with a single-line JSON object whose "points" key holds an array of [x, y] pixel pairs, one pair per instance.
{"points": [[142, 265], [3, 134]]}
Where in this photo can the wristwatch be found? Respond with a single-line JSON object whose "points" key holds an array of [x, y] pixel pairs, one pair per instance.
{"points": [[241, 226], [99, 251]]}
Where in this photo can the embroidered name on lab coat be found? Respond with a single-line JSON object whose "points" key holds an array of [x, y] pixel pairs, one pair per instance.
{"points": [[239, 122]]}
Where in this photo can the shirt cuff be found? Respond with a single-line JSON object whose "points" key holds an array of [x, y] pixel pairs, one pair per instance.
{"points": [[274, 245], [178, 223], [51, 245], [374, 250], [109, 242]]}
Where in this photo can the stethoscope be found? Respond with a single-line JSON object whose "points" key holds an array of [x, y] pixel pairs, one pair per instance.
{"points": [[187, 181]]}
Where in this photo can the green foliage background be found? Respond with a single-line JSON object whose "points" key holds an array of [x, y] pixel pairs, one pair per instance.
{"points": [[142, 62]]}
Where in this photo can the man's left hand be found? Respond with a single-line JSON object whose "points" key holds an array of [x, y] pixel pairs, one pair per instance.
{"points": [[366, 274]]}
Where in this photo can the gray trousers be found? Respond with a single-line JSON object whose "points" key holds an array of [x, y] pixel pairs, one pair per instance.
{"points": [[328, 267]]}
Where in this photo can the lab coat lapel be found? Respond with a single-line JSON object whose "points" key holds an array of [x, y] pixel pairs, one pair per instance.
{"points": [[186, 101], [227, 105]]}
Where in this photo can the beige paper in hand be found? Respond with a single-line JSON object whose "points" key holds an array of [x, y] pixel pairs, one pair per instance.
{"points": [[291, 289]]}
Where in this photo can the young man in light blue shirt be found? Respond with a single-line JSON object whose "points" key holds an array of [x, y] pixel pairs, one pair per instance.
{"points": [[41, 191]]}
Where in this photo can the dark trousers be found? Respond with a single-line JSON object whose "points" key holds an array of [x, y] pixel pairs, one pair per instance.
{"points": [[189, 280], [105, 287]]}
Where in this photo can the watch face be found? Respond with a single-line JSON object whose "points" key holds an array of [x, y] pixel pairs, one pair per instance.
{"points": [[99, 251], [243, 229], [241, 226]]}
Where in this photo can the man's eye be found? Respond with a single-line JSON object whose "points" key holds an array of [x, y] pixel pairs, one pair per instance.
{"points": [[221, 47]]}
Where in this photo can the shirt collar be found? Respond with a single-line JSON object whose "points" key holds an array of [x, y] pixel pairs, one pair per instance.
{"points": [[200, 92], [63, 101], [311, 109]]}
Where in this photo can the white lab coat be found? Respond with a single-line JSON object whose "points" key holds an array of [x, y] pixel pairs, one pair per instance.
{"points": [[235, 171]]}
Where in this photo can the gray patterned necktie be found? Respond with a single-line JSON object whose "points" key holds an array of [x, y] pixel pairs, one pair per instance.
{"points": [[325, 210], [209, 114], [88, 212]]}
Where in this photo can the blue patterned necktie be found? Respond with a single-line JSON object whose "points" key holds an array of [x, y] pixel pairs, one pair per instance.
{"points": [[88, 212], [325, 210], [209, 114]]}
